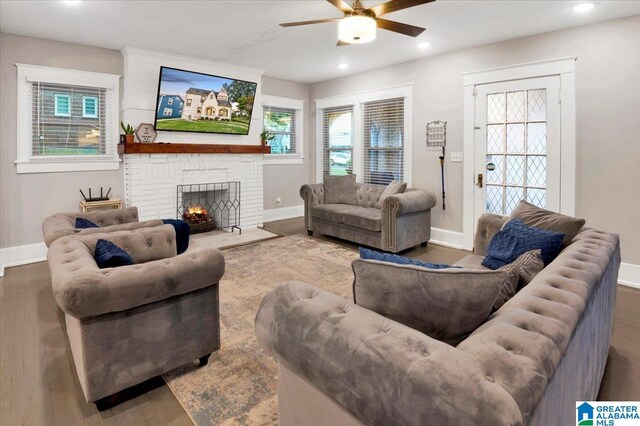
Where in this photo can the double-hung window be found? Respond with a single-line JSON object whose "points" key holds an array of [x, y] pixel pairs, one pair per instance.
{"points": [[283, 120], [281, 125], [383, 141], [67, 120], [337, 140], [368, 134]]}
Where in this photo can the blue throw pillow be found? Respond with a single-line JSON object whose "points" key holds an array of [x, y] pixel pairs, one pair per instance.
{"points": [[182, 233], [517, 238], [109, 255], [82, 223], [400, 260]]}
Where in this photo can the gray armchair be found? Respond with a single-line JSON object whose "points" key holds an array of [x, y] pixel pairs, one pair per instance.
{"points": [[128, 324], [400, 222], [61, 224]]}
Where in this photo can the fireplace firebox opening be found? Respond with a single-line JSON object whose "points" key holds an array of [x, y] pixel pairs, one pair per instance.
{"points": [[209, 206]]}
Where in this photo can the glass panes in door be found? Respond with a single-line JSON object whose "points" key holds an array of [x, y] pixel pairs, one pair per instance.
{"points": [[516, 149]]}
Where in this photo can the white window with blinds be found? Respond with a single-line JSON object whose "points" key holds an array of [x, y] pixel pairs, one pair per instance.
{"points": [[283, 119], [337, 140], [368, 134], [67, 120], [383, 141]]}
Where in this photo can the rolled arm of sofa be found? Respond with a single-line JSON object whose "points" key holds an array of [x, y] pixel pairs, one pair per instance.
{"points": [[409, 202], [83, 290], [312, 194], [380, 371]]}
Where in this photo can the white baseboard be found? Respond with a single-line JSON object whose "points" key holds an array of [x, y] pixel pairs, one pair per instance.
{"points": [[22, 255], [446, 238], [629, 275], [272, 215]]}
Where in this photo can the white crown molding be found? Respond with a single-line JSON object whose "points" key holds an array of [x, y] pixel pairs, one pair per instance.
{"points": [[127, 50]]}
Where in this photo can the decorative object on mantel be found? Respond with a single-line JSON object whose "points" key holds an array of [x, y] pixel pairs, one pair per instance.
{"points": [[146, 133], [191, 148], [266, 137], [128, 132], [102, 196], [437, 138]]}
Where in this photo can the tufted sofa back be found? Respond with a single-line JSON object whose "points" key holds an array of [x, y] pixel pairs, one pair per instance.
{"points": [[110, 217], [144, 244], [368, 195]]}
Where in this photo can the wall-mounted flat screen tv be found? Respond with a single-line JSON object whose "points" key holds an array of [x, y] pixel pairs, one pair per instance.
{"points": [[194, 102]]}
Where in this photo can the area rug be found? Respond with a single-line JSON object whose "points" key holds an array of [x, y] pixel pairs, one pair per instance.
{"points": [[238, 386]]}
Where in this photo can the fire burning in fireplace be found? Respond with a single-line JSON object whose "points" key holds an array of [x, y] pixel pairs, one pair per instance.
{"points": [[199, 216]]}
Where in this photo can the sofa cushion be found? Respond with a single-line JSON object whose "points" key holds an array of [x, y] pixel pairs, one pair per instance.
{"points": [[109, 255], [446, 304], [517, 238], [527, 265], [400, 260], [551, 221], [340, 189], [365, 218], [82, 223], [332, 212], [394, 187]]}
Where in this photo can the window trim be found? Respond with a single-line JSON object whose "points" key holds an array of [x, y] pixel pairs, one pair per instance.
{"points": [[298, 106], [25, 162], [58, 113], [357, 99], [84, 106]]}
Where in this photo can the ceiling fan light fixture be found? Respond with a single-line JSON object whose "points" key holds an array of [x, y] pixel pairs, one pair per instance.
{"points": [[357, 29]]}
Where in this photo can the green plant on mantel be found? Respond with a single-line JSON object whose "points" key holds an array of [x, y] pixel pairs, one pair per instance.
{"points": [[128, 129], [266, 137]]}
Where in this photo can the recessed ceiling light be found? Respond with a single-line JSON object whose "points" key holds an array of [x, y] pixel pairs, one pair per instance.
{"points": [[343, 66], [583, 7], [72, 2], [424, 45]]}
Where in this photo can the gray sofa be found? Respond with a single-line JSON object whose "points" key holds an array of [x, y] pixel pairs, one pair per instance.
{"points": [[542, 351], [402, 221], [131, 323], [62, 224]]}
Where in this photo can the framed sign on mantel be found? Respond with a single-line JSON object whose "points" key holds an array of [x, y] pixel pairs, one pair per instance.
{"points": [[146, 133]]}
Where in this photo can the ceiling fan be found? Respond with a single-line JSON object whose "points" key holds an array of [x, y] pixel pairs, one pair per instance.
{"points": [[358, 25]]}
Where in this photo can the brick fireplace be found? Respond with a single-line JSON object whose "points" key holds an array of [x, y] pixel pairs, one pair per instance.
{"points": [[151, 181]]}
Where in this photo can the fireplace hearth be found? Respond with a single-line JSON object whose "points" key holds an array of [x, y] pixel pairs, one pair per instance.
{"points": [[209, 206]]}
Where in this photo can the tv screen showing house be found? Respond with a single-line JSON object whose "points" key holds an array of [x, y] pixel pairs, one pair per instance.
{"points": [[194, 102]]}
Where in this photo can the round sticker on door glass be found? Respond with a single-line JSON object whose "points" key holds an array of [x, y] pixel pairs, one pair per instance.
{"points": [[491, 167]]}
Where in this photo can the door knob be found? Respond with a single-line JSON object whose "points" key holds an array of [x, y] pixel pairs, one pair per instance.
{"points": [[479, 182]]}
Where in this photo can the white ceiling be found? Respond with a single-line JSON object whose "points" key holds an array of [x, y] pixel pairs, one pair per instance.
{"points": [[247, 32]]}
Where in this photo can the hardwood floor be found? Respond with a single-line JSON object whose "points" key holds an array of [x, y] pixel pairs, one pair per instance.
{"points": [[38, 385]]}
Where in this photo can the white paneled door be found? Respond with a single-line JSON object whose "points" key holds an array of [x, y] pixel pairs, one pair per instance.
{"points": [[517, 145]]}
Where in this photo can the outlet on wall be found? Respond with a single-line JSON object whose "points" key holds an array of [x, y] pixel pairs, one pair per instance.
{"points": [[278, 201]]}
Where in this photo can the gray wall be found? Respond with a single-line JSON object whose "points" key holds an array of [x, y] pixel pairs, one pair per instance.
{"points": [[284, 181], [26, 199], [608, 117]]}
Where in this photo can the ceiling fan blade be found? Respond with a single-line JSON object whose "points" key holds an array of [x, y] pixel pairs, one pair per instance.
{"points": [[394, 5], [317, 21], [399, 27], [342, 43], [342, 5]]}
